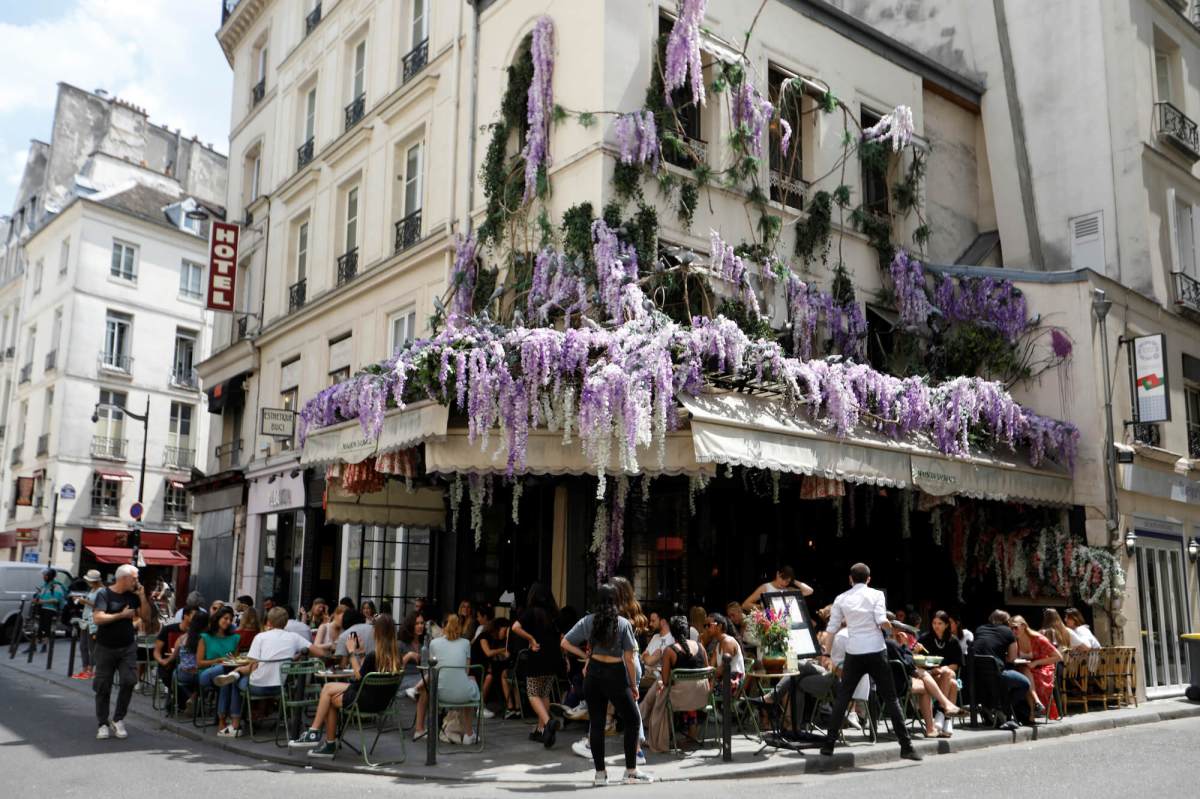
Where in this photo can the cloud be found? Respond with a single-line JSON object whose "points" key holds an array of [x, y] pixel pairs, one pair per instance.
{"points": [[158, 54]]}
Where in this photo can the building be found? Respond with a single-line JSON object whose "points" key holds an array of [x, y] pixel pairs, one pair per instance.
{"points": [[109, 320]]}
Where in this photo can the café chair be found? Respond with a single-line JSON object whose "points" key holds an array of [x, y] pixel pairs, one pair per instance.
{"points": [[476, 705], [301, 692], [375, 703], [698, 684]]}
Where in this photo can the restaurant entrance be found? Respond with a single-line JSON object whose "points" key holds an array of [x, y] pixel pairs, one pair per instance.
{"points": [[1162, 599]]}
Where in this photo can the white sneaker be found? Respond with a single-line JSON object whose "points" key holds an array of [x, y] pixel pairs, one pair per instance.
{"points": [[411, 693], [600, 780], [577, 713], [469, 740], [852, 721], [227, 678], [939, 719], [947, 725], [583, 748], [637, 777], [488, 714], [103, 733], [641, 757], [118, 728]]}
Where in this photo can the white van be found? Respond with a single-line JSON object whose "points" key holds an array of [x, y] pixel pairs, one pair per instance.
{"points": [[19, 580]]}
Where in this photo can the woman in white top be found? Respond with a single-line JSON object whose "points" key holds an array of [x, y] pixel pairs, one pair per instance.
{"points": [[330, 631], [1078, 625], [717, 627]]}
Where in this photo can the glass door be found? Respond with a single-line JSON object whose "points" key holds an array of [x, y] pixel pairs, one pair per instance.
{"points": [[1162, 596]]}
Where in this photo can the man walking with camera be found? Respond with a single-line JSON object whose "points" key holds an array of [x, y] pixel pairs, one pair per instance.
{"points": [[116, 646]]}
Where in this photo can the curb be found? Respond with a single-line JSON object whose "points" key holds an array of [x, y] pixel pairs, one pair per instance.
{"points": [[798, 762]]}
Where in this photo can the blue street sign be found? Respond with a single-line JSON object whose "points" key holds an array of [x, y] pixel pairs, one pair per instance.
{"points": [[68, 491], [136, 510], [69, 545], [30, 556]]}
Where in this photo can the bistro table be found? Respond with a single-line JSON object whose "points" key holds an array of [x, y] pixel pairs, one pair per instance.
{"points": [[764, 679]]}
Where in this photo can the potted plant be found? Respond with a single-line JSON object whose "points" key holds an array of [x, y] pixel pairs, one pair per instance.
{"points": [[771, 628]]}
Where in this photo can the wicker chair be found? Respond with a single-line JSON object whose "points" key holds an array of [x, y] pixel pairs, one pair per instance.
{"points": [[1125, 675], [1099, 684], [1075, 675]]}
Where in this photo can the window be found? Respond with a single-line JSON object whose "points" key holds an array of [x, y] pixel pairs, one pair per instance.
{"points": [[1191, 402], [31, 346], [56, 330], [288, 401], [175, 501], [260, 74], [390, 563], [21, 420], [341, 350], [185, 359], [110, 418], [64, 256], [106, 496], [401, 329], [351, 219], [302, 251], [874, 175], [1185, 237], [310, 114], [1162, 75], [787, 169], [412, 180], [255, 175], [46, 411], [420, 23], [179, 432], [191, 279], [124, 261], [38, 268], [118, 334], [358, 85]]}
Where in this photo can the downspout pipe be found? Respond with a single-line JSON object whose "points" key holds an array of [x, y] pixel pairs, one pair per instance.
{"points": [[473, 117]]}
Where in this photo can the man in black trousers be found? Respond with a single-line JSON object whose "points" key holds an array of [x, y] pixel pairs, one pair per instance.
{"points": [[863, 610]]}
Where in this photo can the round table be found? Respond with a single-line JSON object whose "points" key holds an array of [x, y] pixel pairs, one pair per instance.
{"points": [[335, 674], [767, 676]]}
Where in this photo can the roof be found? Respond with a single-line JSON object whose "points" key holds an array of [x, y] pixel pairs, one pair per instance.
{"points": [[145, 202]]}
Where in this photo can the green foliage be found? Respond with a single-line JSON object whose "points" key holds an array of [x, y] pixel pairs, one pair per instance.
{"points": [[520, 77], [921, 235], [577, 231], [842, 287], [485, 285], [503, 186], [751, 324], [828, 102], [841, 195], [627, 180], [874, 156], [558, 114], [493, 173], [971, 349], [642, 231], [612, 215], [907, 191], [586, 119], [812, 234], [769, 227], [878, 230], [689, 198]]}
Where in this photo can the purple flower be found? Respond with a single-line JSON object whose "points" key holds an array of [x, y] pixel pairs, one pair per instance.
{"points": [[637, 138], [683, 51], [1060, 343], [539, 105], [785, 137], [897, 125], [751, 112], [463, 274], [908, 279]]}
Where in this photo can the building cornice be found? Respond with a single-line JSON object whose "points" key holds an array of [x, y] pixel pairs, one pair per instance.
{"points": [[240, 20]]}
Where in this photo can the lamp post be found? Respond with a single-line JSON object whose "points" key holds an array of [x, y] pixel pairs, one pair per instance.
{"points": [[144, 418], [1100, 308]]}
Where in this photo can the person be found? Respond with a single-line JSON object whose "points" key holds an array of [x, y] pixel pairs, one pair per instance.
{"points": [[785, 580], [247, 629], [217, 643], [321, 736], [163, 596], [216, 605], [716, 627], [1042, 656], [367, 608], [922, 683], [240, 606], [261, 677], [317, 615], [737, 617], [412, 635], [453, 653], [964, 636], [184, 654], [87, 625], [354, 624], [997, 640], [658, 645], [116, 647], [1078, 625], [1060, 634], [194, 600], [490, 650], [862, 608], [48, 600], [629, 607], [681, 653], [835, 643], [269, 604], [611, 678], [483, 617], [466, 618], [347, 601], [697, 620], [296, 626], [164, 650], [541, 666], [939, 642], [328, 632]]}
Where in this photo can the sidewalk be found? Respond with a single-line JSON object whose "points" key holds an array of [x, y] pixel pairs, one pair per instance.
{"points": [[509, 756]]}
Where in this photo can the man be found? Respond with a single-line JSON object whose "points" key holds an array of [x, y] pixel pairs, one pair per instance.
{"points": [[87, 625], [296, 626], [194, 601], [268, 604], [997, 640], [164, 651], [48, 603], [116, 646], [240, 606], [862, 609], [785, 580], [660, 642]]}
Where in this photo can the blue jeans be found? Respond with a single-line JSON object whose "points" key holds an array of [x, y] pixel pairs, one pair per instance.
{"points": [[185, 684], [206, 676], [1017, 686], [230, 698]]}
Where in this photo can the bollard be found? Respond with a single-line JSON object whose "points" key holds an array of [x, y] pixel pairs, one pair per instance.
{"points": [[32, 644], [18, 627], [971, 687], [726, 710], [50, 648], [71, 654], [431, 716]]}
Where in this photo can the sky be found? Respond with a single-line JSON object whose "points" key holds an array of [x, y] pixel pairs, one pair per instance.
{"points": [[161, 55]]}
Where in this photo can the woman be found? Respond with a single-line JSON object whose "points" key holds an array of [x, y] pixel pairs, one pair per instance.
{"points": [[490, 650], [542, 665], [629, 608], [318, 615], [335, 695], [247, 629], [186, 646], [961, 633], [1064, 636], [328, 633], [682, 654], [412, 636], [698, 621], [1042, 656], [922, 685], [453, 653], [216, 605], [218, 643], [611, 678], [368, 610], [466, 618], [939, 642]]}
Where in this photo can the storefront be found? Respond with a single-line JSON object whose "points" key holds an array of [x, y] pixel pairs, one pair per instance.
{"points": [[218, 503], [276, 527], [162, 554]]}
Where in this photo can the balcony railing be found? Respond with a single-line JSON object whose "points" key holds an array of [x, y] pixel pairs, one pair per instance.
{"points": [[296, 293], [304, 153], [109, 448], [416, 60], [229, 454], [103, 506], [355, 111], [408, 231], [691, 152], [51, 360], [786, 190], [347, 267], [312, 20], [1147, 434], [185, 378], [115, 361], [178, 457], [1178, 130], [26, 373], [241, 328], [43, 444], [16, 455], [258, 92], [1187, 293]]}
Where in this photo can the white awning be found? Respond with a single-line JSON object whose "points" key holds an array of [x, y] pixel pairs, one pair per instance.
{"points": [[343, 443], [986, 476], [546, 454], [402, 428], [393, 506], [413, 425]]}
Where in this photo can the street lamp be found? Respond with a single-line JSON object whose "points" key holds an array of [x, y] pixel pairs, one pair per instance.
{"points": [[144, 418], [1101, 305]]}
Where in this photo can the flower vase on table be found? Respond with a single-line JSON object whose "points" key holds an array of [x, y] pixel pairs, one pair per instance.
{"points": [[774, 662], [771, 628]]}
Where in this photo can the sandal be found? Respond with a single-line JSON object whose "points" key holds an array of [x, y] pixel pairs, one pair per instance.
{"points": [[944, 734], [419, 734]]}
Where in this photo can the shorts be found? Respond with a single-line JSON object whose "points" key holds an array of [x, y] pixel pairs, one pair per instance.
{"points": [[540, 685]]}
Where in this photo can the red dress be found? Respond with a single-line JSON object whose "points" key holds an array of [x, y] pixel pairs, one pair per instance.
{"points": [[1043, 675]]}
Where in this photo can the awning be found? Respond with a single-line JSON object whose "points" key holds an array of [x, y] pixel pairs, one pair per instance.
{"points": [[228, 394], [394, 505], [152, 557], [761, 433], [344, 443], [413, 425], [545, 453], [176, 484], [114, 474]]}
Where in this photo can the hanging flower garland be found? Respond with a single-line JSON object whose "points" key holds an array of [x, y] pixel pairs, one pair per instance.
{"points": [[896, 125], [908, 279], [637, 138], [683, 51], [539, 105], [751, 112]]}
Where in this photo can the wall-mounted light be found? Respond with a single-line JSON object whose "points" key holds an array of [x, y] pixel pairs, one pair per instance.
{"points": [[1130, 539], [1125, 453], [1194, 549]]}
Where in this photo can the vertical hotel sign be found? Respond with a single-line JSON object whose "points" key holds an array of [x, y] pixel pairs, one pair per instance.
{"points": [[222, 265], [1150, 379]]}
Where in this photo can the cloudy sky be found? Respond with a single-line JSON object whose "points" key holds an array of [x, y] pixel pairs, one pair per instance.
{"points": [[159, 54]]}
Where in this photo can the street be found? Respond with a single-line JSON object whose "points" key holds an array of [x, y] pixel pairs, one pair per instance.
{"points": [[46, 735]]}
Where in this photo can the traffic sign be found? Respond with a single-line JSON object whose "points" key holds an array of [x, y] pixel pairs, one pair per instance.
{"points": [[136, 510]]}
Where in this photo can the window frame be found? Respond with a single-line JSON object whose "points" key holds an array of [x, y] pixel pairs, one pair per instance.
{"points": [[413, 177], [175, 502], [419, 24], [114, 322], [358, 69], [100, 500], [64, 256], [351, 222], [186, 270], [407, 317], [302, 251], [876, 197], [126, 269]]}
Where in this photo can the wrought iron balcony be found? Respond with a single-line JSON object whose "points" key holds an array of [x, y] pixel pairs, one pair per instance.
{"points": [[26, 373], [690, 153], [347, 267], [51, 360], [1147, 434], [312, 20], [1187, 293], [258, 92], [304, 153], [178, 457], [112, 449], [184, 378], [241, 328], [43, 444], [229, 454], [1178, 130], [355, 111], [115, 361], [787, 190], [408, 231], [416, 60], [296, 293]]}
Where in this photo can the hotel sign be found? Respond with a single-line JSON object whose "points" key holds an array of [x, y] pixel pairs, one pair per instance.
{"points": [[222, 265]]}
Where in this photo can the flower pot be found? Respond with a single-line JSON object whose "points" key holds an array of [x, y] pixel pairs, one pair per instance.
{"points": [[774, 663]]}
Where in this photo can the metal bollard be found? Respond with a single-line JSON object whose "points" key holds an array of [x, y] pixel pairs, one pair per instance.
{"points": [[431, 715], [71, 655], [50, 648], [726, 710]]}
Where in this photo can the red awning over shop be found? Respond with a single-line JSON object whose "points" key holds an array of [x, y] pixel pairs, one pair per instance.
{"points": [[153, 557], [114, 474]]}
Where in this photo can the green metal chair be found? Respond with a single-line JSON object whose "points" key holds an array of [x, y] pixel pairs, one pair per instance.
{"points": [[682, 677], [476, 705], [248, 698], [300, 692], [375, 703]]}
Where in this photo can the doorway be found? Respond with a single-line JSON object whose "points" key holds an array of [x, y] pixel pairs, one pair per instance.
{"points": [[1162, 600]]}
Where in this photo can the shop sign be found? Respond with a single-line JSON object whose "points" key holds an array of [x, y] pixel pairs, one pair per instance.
{"points": [[30, 556], [278, 423], [1143, 480], [277, 492], [222, 265], [27, 534], [1150, 379]]}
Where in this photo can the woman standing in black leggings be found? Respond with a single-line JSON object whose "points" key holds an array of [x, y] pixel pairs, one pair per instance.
{"points": [[611, 677]]}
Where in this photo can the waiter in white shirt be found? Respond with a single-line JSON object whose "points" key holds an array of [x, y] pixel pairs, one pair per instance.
{"points": [[863, 610]]}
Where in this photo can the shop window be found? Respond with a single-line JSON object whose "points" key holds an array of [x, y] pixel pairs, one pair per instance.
{"points": [[389, 563], [106, 496]]}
